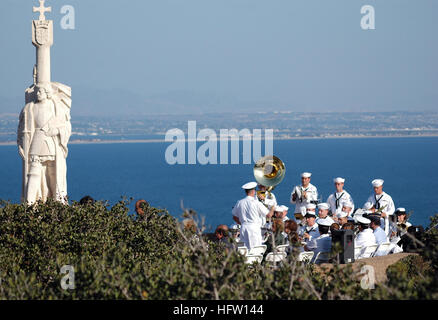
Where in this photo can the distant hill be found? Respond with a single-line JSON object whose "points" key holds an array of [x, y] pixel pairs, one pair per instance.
{"points": [[97, 102], [116, 102]]}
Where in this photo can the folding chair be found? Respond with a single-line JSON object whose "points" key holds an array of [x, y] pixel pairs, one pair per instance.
{"points": [[254, 258], [395, 240], [281, 248], [383, 249], [242, 250], [368, 252], [306, 256], [257, 250], [274, 257], [357, 252]]}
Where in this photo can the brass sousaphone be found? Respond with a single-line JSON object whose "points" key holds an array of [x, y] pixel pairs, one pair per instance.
{"points": [[269, 171]]}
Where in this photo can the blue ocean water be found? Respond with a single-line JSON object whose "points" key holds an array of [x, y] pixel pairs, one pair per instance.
{"points": [[409, 167]]}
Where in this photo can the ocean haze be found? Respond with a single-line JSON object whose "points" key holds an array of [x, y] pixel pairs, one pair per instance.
{"points": [[198, 56]]}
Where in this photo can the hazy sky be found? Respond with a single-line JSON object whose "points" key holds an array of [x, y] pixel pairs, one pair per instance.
{"points": [[281, 54]]}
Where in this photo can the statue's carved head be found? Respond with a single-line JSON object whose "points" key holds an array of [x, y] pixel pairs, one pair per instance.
{"points": [[44, 92]]}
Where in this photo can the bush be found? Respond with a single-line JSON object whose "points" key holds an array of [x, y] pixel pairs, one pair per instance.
{"points": [[415, 277], [116, 255]]}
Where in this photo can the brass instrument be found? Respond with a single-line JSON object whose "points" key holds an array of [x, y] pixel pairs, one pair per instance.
{"points": [[380, 210], [402, 226], [260, 192], [269, 171]]}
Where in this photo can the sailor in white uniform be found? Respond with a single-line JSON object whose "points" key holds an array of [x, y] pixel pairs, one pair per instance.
{"points": [[235, 232], [383, 202], [282, 213], [402, 222], [304, 194], [311, 207], [348, 208], [278, 212], [340, 197], [323, 211], [361, 213], [322, 243], [267, 198], [368, 206], [341, 217], [310, 230], [285, 212], [365, 237], [299, 217], [248, 213]]}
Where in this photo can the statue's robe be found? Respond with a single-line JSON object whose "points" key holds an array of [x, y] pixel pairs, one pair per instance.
{"points": [[61, 97]]}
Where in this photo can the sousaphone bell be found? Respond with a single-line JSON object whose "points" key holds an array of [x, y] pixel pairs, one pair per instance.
{"points": [[269, 171]]}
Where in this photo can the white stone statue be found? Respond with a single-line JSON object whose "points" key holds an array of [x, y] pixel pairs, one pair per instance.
{"points": [[44, 128]]}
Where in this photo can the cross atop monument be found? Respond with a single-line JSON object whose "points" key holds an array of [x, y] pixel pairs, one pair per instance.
{"points": [[42, 10]]}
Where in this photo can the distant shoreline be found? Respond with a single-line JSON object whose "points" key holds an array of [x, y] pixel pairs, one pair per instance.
{"points": [[74, 142]]}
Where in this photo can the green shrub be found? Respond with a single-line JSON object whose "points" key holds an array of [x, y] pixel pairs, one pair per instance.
{"points": [[116, 255]]}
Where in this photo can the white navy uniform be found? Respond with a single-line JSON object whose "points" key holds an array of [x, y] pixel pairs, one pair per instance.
{"points": [[301, 202], [338, 199], [270, 201], [323, 243], [250, 212], [383, 200], [365, 238], [313, 232], [328, 218]]}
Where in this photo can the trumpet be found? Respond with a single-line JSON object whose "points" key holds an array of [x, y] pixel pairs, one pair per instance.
{"points": [[269, 171], [402, 226]]}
